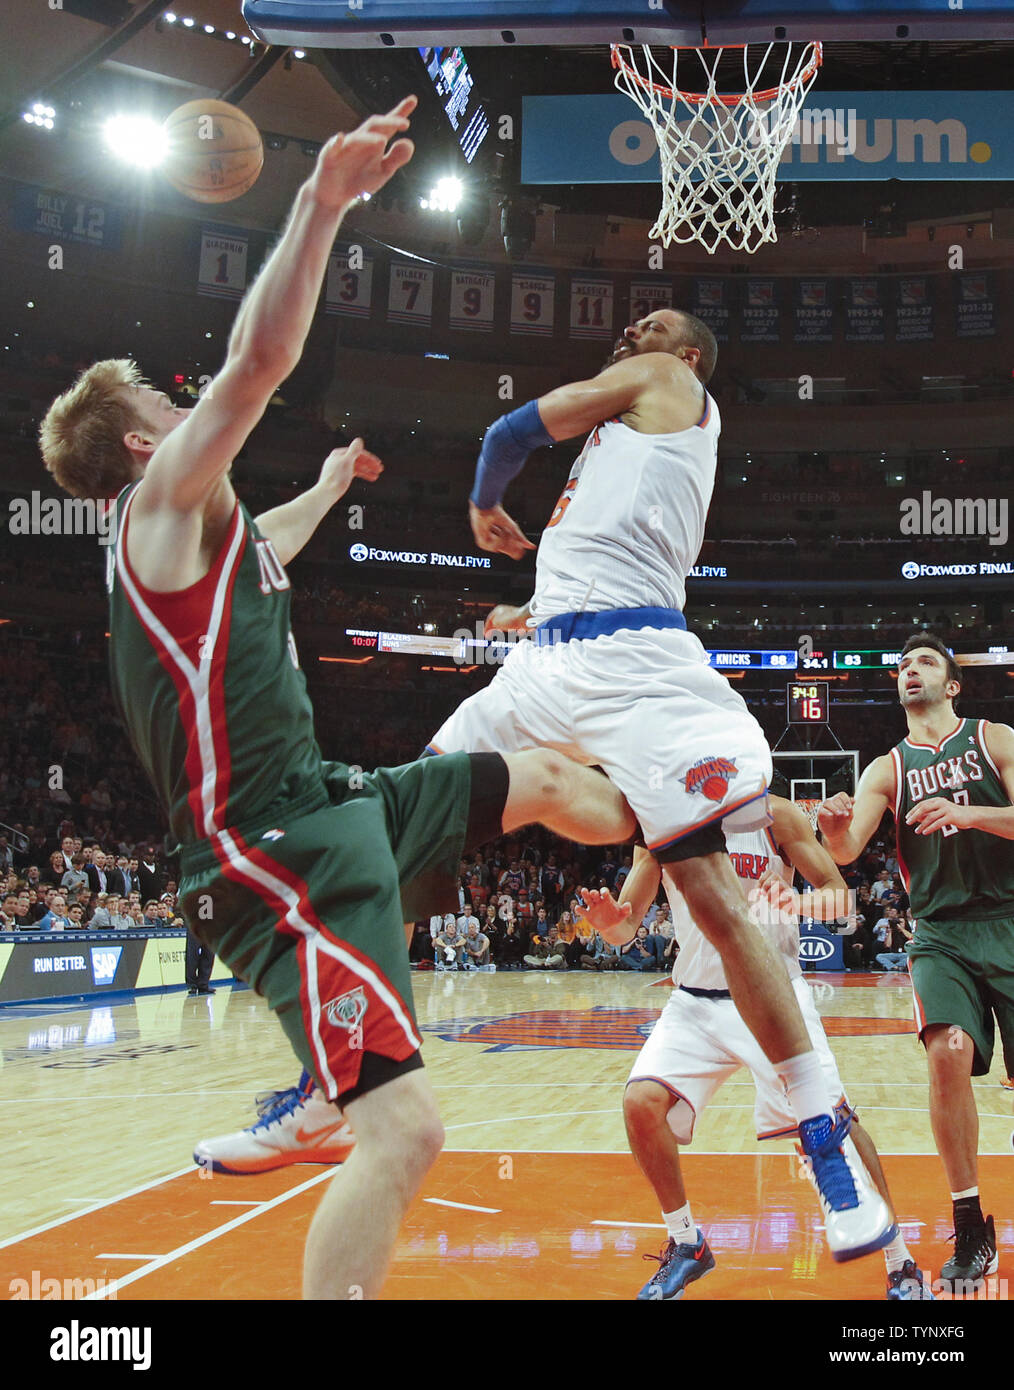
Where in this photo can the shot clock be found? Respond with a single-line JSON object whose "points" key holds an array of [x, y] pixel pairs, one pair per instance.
{"points": [[807, 703]]}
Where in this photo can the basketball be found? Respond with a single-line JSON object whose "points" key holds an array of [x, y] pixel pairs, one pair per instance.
{"points": [[215, 151]]}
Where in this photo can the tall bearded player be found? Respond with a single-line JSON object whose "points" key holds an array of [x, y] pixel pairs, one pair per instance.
{"points": [[950, 785]]}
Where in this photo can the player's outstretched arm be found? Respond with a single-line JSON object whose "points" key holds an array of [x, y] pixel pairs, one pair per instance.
{"points": [[939, 812], [641, 884], [291, 525], [271, 327], [829, 897], [847, 824]]}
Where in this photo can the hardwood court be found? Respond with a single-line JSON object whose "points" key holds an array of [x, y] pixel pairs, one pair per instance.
{"points": [[536, 1190]]}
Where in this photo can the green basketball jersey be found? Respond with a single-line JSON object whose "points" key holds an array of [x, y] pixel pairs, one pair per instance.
{"points": [[952, 874], [208, 684]]}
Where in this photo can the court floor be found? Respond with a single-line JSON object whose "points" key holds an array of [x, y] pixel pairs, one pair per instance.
{"points": [[536, 1194]]}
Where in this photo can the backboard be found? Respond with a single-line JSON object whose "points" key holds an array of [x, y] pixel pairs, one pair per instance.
{"points": [[417, 23]]}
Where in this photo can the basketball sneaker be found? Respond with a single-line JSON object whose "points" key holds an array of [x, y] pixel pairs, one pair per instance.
{"points": [[974, 1255], [679, 1265], [908, 1283], [295, 1126], [1008, 1083], [857, 1220]]}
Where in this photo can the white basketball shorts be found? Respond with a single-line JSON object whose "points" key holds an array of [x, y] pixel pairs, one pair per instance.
{"points": [[643, 705], [697, 1044]]}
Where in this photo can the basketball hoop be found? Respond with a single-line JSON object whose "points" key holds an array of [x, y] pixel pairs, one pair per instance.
{"points": [[809, 808], [718, 167]]}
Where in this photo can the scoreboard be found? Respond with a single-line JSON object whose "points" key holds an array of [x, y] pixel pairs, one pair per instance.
{"points": [[807, 702], [756, 661], [866, 661]]}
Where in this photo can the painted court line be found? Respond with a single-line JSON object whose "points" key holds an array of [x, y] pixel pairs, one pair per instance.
{"points": [[221, 1202], [97, 1206], [640, 1225], [198, 1241], [462, 1206], [107, 1256]]}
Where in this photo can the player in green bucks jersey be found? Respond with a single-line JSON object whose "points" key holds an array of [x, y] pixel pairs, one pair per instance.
{"points": [[950, 787], [298, 873]]}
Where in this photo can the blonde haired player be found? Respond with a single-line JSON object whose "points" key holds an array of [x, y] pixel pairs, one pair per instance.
{"points": [[700, 1040]]}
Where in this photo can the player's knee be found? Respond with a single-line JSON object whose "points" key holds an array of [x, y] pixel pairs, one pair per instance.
{"points": [[949, 1052], [645, 1106], [551, 774]]}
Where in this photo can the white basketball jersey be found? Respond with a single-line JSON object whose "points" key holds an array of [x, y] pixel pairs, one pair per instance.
{"points": [[698, 964], [629, 525]]}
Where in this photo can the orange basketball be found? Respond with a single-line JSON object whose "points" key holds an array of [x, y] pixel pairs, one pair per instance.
{"points": [[215, 151]]}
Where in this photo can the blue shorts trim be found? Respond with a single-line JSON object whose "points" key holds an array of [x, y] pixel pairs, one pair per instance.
{"points": [[567, 627]]}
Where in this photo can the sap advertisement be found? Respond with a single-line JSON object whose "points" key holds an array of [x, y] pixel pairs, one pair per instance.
{"points": [[850, 135]]}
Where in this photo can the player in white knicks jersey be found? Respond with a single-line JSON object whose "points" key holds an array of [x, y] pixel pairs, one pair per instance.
{"points": [[700, 1040], [612, 678]]}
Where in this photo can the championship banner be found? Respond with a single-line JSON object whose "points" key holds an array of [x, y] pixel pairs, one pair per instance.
{"points": [[349, 288], [410, 295], [711, 305], [812, 311], [472, 293], [974, 307], [222, 269], [760, 312], [648, 295], [532, 303], [59, 217], [591, 308], [864, 312], [913, 309]]}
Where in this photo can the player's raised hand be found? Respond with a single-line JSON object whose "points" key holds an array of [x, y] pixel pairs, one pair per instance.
{"points": [[505, 618], [359, 161], [771, 891], [494, 530], [938, 813], [342, 465], [835, 814], [609, 918]]}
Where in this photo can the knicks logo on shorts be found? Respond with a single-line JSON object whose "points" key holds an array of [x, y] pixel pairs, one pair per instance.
{"points": [[710, 776], [347, 1010]]}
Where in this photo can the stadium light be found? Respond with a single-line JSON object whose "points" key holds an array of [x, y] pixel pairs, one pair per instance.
{"points": [[445, 197], [136, 140]]}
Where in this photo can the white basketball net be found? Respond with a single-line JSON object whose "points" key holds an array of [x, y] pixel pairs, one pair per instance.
{"points": [[719, 152]]}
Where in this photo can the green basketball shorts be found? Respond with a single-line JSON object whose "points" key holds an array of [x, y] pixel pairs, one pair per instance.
{"points": [[963, 974], [310, 912]]}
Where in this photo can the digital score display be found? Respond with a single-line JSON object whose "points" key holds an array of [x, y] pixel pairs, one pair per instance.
{"points": [[807, 704], [755, 661], [866, 661], [453, 84]]}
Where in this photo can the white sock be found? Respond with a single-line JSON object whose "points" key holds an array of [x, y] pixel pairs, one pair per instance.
{"points": [[805, 1086], [680, 1225], [896, 1254], [968, 1192]]}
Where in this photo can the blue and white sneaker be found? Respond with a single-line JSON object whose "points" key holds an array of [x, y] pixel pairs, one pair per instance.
{"points": [[857, 1220], [680, 1266], [295, 1126], [909, 1284]]}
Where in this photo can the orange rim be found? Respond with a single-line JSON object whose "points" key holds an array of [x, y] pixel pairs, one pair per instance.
{"points": [[699, 98]]}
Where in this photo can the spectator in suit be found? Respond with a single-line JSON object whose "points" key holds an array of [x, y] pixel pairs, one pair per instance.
{"points": [[96, 871], [152, 916], [9, 913], [116, 877], [200, 960], [75, 912], [150, 880]]}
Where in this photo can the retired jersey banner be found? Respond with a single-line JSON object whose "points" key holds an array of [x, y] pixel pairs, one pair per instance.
{"points": [[864, 311], [648, 295], [913, 309], [974, 307], [222, 268], [472, 294], [532, 303], [813, 311], [60, 217], [410, 296], [349, 288], [711, 305], [591, 308], [760, 312]]}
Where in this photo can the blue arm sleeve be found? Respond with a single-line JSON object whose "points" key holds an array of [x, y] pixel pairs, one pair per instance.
{"points": [[507, 444]]}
